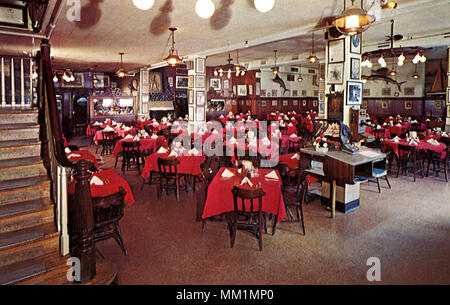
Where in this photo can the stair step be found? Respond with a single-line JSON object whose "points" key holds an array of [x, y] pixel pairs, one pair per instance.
{"points": [[29, 250], [26, 220], [33, 192], [18, 109], [19, 161], [39, 268], [18, 117], [24, 207], [22, 182], [12, 239], [12, 132], [20, 151], [18, 142], [22, 171]]}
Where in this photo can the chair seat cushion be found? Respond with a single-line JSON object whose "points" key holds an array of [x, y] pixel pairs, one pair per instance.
{"points": [[379, 172]]}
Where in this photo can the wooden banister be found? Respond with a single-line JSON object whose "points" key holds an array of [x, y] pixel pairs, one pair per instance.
{"points": [[82, 221]]}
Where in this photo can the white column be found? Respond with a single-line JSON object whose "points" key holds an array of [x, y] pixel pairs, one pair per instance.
{"points": [[3, 82], [447, 122], [22, 83], [197, 92], [13, 85]]}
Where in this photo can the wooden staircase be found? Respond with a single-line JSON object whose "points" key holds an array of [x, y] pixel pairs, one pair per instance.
{"points": [[29, 241]]}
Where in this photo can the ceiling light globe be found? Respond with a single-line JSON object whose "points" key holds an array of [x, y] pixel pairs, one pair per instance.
{"points": [[216, 73], [369, 64], [264, 6], [423, 58], [143, 4], [401, 57], [400, 63], [205, 8], [242, 72], [55, 79]]}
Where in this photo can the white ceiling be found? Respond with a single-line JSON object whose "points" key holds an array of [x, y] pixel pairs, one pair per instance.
{"points": [[109, 27]]}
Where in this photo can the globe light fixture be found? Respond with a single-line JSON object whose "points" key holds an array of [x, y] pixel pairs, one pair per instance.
{"points": [[312, 58], [55, 79], [121, 72], [353, 20], [144, 4], [205, 8], [264, 6]]}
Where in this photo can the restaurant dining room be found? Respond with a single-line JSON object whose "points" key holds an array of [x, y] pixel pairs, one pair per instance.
{"points": [[200, 144]]}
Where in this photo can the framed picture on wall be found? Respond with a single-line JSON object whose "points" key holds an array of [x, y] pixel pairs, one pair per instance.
{"points": [[250, 89], [355, 44], [355, 69], [258, 89], [274, 103], [303, 92], [191, 97], [386, 91], [295, 103], [170, 81], [322, 108], [200, 81], [200, 65], [448, 98], [215, 84], [263, 103], [304, 103], [190, 65], [191, 81], [263, 92], [408, 105], [285, 103], [226, 84], [103, 81], [274, 92], [234, 90], [364, 104], [438, 105], [336, 51], [294, 92], [200, 115], [366, 92], [354, 92], [242, 90], [448, 112], [408, 91], [77, 83], [191, 114], [200, 98], [315, 103], [155, 82], [249, 102], [384, 104], [290, 77], [181, 82], [335, 73]]}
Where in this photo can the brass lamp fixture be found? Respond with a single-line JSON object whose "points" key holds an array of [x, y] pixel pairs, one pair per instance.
{"points": [[415, 75], [312, 58], [121, 72], [94, 77], [353, 20], [390, 4], [230, 68], [173, 58], [275, 69]]}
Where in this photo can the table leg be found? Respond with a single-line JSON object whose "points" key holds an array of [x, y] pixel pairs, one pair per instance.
{"points": [[333, 198]]}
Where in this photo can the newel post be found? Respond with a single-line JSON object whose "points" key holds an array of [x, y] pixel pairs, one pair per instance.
{"points": [[83, 222]]}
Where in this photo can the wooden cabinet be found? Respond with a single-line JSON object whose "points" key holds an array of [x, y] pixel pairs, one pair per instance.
{"points": [[117, 108]]}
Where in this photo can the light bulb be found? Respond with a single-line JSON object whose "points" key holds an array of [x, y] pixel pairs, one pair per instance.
{"points": [[423, 58], [400, 63], [242, 72], [352, 21], [369, 64], [55, 79], [215, 73], [205, 8], [143, 4], [264, 5], [401, 57], [382, 62], [416, 58]]}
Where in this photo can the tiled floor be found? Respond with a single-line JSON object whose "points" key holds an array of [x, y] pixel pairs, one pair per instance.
{"points": [[407, 228]]}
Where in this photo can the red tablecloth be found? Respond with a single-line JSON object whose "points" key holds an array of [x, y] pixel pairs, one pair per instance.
{"points": [[189, 165], [220, 198], [287, 159], [146, 143], [84, 155], [112, 183], [119, 132], [423, 145], [387, 133], [285, 140]]}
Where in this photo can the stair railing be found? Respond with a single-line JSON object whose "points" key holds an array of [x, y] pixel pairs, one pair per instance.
{"points": [[60, 169]]}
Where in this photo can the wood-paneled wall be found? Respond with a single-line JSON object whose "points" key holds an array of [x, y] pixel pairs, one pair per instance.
{"points": [[414, 107]]}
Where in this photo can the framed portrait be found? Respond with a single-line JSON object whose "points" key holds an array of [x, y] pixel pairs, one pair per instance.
{"points": [[304, 103], [335, 73], [234, 90], [295, 103], [155, 82], [355, 68], [354, 92], [190, 65], [103, 81], [285, 103], [438, 105], [250, 89], [200, 114], [191, 114], [263, 103], [315, 103], [200, 98], [366, 92], [274, 92], [182, 82], [242, 90], [408, 105], [336, 50], [191, 81], [215, 83], [200, 65], [170, 81], [263, 92], [249, 102], [274, 103], [364, 104], [290, 77], [321, 107], [303, 92], [13, 15], [77, 83], [294, 92], [355, 44], [386, 91], [200, 81], [258, 89], [316, 92], [226, 84], [384, 104], [191, 97]]}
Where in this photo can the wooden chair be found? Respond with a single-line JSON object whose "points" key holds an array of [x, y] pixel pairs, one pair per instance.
{"points": [[131, 151], [302, 198], [94, 129], [108, 210], [290, 178], [381, 173], [108, 141], [440, 165], [169, 177], [283, 130], [294, 146], [409, 155], [254, 215]]}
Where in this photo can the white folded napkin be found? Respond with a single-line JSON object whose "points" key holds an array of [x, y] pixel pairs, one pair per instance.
{"points": [[293, 135], [67, 150], [129, 137], [246, 180], [221, 116], [97, 123], [107, 128], [194, 152], [96, 180], [215, 131], [127, 128], [433, 142], [232, 140], [379, 127], [227, 174], [136, 138], [256, 120], [156, 123], [399, 125], [73, 156], [272, 175], [154, 136], [173, 154], [162, 150], [290, 124], [296, 156], [427, 120]]}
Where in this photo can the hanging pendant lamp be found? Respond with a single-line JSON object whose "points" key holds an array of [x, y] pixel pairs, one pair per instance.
{"points": [[121, 72], [312, 58], [173, 58], [353, 20]]}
